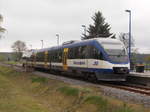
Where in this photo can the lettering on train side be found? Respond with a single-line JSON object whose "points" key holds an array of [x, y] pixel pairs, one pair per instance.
{"points": [[79, 62]]}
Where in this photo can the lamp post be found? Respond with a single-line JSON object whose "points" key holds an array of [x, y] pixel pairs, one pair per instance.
{"points": [[84, 29], [42, 43], [129, 11], [57, 35]]}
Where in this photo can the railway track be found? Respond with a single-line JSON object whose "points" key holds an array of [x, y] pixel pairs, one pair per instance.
{"points": [[132, 88], [135, 88]]}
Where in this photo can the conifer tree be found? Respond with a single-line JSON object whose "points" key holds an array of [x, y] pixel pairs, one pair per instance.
{"points": [[100, 28]]}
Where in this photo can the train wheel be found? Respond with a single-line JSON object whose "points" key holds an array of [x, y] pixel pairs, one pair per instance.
{"points": [[85, 76], [92, 78]]}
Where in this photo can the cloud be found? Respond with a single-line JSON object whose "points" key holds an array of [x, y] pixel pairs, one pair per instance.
{"points": [[33, 20]]}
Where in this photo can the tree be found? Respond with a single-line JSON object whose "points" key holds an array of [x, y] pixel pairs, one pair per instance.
{"points": [[18, 47], [2, 30], [99, 29], [124, 37]]}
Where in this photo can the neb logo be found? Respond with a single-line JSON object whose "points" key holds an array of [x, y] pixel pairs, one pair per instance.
{"points": [[95, 63]]}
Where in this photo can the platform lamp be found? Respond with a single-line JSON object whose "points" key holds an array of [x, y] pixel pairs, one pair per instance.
{"points": [[57, 35], [84, 29], [42, 43], [129, 11]]}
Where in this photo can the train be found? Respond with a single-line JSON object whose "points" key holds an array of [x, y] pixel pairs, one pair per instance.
{"points": [[102, 59]]}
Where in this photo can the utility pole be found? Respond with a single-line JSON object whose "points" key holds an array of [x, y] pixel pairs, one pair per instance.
{"points": [[129, 11], [42, 43], [84, 29], [57, 35]]}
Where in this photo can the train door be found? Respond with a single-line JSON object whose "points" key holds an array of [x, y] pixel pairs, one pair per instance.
{"points": [[46, 59], [65, 56]]}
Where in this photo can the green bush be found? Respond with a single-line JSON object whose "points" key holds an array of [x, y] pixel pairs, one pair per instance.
{"points": [[69, 91], [39, 79], [99, 101]]}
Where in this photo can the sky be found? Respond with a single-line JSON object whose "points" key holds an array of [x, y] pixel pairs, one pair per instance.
{"points": [[34, 20]]}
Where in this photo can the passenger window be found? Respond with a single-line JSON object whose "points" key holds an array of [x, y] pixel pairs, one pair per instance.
{"points": [[71, 53], [40, 56], [82, 52], [60, 55], [94, 53], [79, 52], [76, 53]]}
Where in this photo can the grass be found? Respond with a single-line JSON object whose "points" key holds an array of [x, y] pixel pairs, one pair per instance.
{"points": [[97, 100], [8, 72], [104, 106], [13, 62], [14, 99], [25, 92], [124, 108], [100, 102], [69, 91], [39, 79]]}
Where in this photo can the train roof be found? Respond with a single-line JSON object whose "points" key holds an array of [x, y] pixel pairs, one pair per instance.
{"points": [[82, 42]]}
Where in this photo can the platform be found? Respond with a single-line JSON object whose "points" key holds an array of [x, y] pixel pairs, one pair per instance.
{"points": [[145, 74], [139, 78]]}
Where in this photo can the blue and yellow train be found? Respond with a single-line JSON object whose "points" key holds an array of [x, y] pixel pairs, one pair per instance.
{"points": [[94, 59]]}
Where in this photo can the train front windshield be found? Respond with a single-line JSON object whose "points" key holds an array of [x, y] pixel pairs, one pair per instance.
{"points": [[116, 51]]}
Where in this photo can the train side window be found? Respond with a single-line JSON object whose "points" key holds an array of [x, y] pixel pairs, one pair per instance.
{"points": [[99, 55], [52, 56], [55, 56], [49, 55], [79, 52], [76, 53], [71, 53], [83, 52], [60, 55], [37, 57], [94, 53], [42, 55]]}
